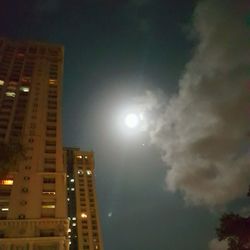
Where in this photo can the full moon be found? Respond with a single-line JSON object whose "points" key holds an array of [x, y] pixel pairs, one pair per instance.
{"points": [[131, 120]]}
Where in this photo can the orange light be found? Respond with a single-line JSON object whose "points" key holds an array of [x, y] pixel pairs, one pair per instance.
{"points": [[51, 81], [6, 182], [83, 215]]}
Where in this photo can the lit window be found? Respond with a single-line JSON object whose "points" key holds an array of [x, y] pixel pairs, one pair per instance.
{"points": [[5, 209], [1, 82], [89, 172], [49, 192], [83, 215], [73, 224], [86, 157], [68, 199], [80, 172], [79, 156], [6, 182], [72, 180], [69, 230], [10, 94], [48, 206], [74, 218], [70, 242], [25, 89], [72, 189], [51, 81], [67, 175]]}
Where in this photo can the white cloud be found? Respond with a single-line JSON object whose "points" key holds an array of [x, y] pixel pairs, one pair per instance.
{"points": [[202, 131], [218, 245]]}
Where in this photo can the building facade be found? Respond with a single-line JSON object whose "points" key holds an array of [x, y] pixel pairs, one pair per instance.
{"points": [[33, 208], [84, 232]]}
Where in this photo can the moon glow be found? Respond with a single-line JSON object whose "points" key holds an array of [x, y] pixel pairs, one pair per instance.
{"points": [[132, 120]]}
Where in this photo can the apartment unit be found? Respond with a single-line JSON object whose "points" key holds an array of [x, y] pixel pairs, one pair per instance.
{"points": [[33, 208], [84, 231]]}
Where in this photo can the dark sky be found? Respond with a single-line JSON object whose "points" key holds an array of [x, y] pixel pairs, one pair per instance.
{"points": [[115, 50]]}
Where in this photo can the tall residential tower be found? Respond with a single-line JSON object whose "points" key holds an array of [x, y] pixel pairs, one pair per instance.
{"points": [[33, 208], [85, 233]]}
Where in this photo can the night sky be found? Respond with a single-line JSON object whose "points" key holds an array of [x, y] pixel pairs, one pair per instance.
{"points": [[117, 53]]}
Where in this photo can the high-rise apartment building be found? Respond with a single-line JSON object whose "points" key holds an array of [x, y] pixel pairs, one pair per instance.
{"points": [[84, 232], [33, 208]]}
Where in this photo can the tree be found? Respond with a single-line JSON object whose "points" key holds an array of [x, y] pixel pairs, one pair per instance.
{"points": [[235, 229], [10, 155]]}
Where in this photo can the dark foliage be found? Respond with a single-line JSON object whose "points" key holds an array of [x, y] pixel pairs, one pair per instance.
{"points": [[236, 230]]}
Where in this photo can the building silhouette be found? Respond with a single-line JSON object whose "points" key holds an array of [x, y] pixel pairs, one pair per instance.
{"points": [[33, 208], [84, 232]]}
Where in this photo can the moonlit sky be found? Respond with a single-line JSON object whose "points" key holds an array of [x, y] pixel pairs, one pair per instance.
{"points": [[164, 184]]}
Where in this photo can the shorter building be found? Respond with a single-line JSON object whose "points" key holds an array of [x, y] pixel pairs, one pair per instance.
{"points": [[84, 231]]}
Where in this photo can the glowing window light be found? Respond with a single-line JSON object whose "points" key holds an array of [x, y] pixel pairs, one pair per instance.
{"points": [[79, 156], [72, 189], [69, 230], [5, 209], [89, 172], [68, 199], [52, 81], [49, 192], [25, 89], [10, 94], [73, 224], [83, 215], [72, 180], [80, 172], [70, 242], [74, 218], [48, 206], [86, 157], [1, 82], [6, 182]]}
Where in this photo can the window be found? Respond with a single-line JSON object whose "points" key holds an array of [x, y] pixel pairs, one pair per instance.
{"points": [[47, 232], [80, 172], [49, 180], [50, 160], [24, 89], [10, 94], [8, 182], [48, 204], [89, 172], [84, 215], [21, 216], [25, 190], [1, 82]]}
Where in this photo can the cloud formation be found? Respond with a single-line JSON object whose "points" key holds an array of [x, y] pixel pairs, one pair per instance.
{"points": [[217, 245], [202, 131]]}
